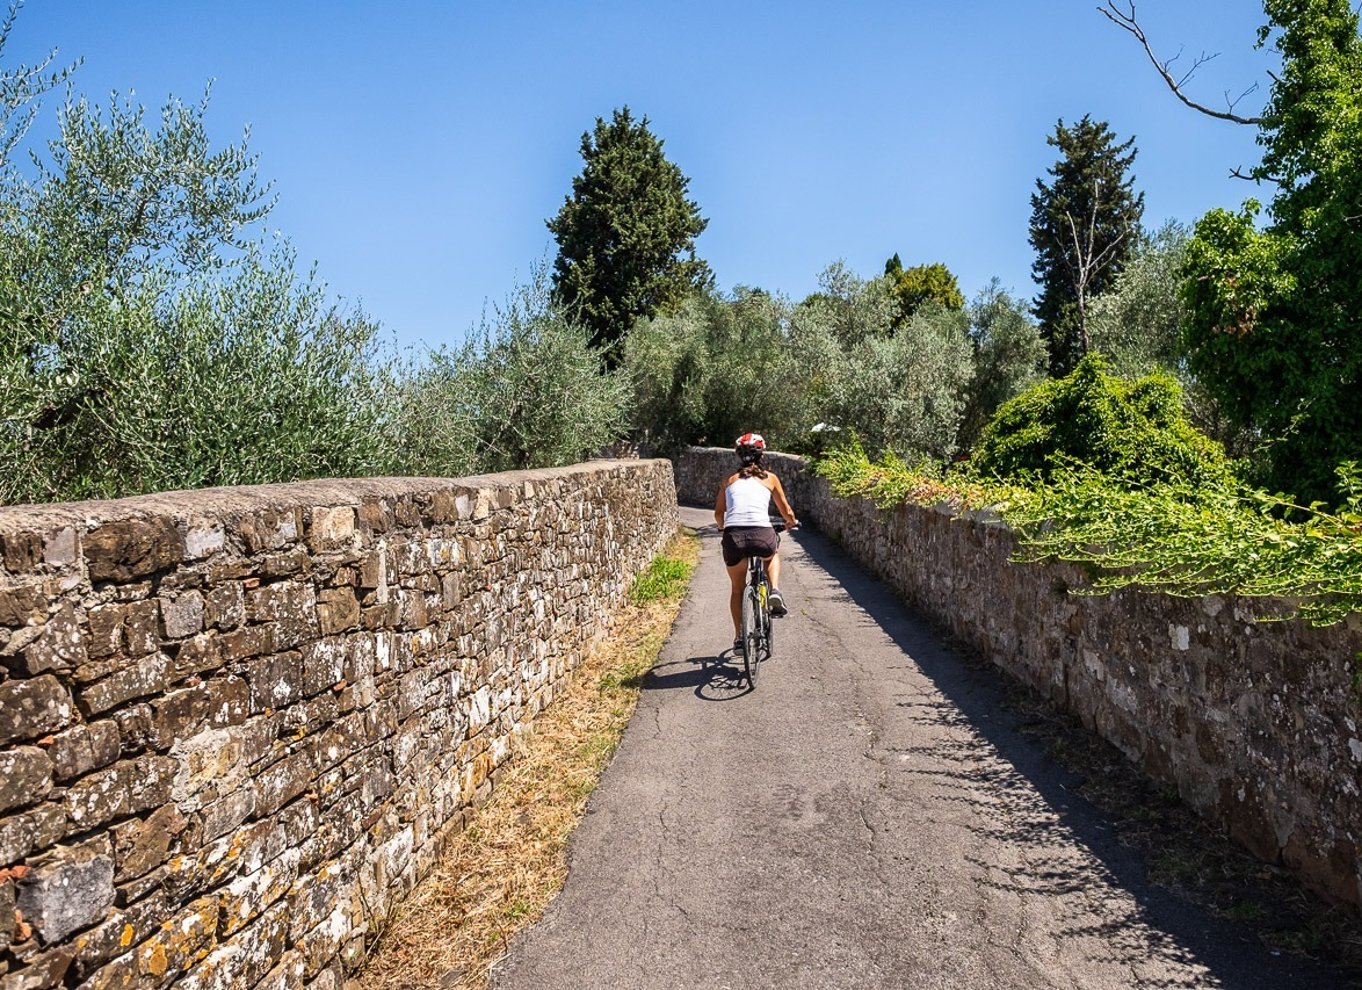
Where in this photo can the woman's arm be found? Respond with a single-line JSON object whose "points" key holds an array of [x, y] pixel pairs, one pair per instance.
{"points": [[720, 505], [782, 503]]}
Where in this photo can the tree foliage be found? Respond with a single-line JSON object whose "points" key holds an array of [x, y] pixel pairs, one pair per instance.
{"points": [[1174, 537], [1274, 313], [1138, 321], [1133, 429], [723, 365], [145, 342], [913, 287], [626, 235], [1083, 224], [1009, 357], [525, 391], [713, 370]]}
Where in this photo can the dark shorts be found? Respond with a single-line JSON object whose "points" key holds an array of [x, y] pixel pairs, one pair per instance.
{"points": [[741, 542]]}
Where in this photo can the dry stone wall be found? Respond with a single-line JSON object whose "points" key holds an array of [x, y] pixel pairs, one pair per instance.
{"points": [[1255, 723], [237, 724]]}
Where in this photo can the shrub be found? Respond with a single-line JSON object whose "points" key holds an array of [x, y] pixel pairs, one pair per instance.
{"points": [[1133, 428]]}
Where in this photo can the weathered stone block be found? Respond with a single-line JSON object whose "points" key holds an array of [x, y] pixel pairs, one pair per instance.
{"points": [[21, 551], [27, 831], [269, 529], [251, 641], [56, 645], [61, 549], [183, 713], [227, 812], [25, 777], [284, 781], [23, 605], [286, 563], [331, 527], [322, 666], [68, 889], [287, 975], [139, 680], [217, 761], [275, 681], [290, 609], [41, 971], [83, 748], [141, 845], [185, 938], [225, 606], [204, 540], [33, 708], [7, 918], [121, 931], [337, 610], [245, 959], [132, 548], [246, 898], [376, 517], [182, 616], [127, 630], [125, 788]]}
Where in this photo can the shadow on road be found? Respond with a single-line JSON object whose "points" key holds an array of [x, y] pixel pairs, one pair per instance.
{"points": [[712, 678], [1031, 803]]}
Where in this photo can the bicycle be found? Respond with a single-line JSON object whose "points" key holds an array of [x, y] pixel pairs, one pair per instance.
{"points": [[757, 633]]}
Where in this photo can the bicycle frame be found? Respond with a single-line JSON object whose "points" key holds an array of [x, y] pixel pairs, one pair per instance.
{"points": [[757, 630]]}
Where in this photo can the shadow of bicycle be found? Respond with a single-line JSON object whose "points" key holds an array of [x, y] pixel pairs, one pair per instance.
{"points": [[712, 678]]}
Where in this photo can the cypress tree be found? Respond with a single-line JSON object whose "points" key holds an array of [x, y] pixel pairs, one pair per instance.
{"points": [[1084, 223], [626, 235]]}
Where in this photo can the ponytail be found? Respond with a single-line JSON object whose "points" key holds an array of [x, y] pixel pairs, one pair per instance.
{"points": [[756, 469]]}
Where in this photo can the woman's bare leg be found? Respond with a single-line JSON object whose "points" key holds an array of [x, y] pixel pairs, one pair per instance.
{"points": [[773, 569], [737, 577]]}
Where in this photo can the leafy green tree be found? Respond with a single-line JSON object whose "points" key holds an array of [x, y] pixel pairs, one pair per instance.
{"points": [[626, 235], [525, 391], [906, 394], [913, 287], [1138, 321], [1274, 313], [21, 88], [712, 370], [1084, 223], [146, 342], [1134, 429], [1009, 357]]}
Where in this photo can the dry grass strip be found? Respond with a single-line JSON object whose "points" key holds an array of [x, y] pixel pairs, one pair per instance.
{"points": [[502, 871]]}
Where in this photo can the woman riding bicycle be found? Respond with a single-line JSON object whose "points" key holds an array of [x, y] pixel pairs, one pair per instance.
{"points": [[742, 511]]}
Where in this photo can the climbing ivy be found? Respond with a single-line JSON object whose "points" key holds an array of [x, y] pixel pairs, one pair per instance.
{"points": [[1174, 537]]}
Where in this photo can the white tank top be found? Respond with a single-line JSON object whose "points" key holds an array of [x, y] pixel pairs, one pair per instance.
{"points": [[747, 503]]}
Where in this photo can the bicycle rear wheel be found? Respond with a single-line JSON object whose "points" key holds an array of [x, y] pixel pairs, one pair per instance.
{"points": [[751, 635]]}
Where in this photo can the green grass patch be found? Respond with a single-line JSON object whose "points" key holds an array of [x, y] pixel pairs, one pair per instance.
{"points": [[666, 578]]}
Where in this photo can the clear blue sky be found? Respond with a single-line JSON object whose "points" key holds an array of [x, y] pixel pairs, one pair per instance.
{"points": [[418, 147]]}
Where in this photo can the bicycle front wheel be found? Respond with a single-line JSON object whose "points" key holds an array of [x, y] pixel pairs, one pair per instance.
{"points": [[751, 635]]}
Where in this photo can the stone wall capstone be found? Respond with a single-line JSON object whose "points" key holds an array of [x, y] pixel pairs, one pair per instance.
{"points": [[237, 725], [1257, 724]]}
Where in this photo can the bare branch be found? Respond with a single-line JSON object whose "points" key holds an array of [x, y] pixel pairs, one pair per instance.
{"points": [[1125, 20]]}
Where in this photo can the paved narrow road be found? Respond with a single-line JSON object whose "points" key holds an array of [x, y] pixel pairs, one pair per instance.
{"points": [[866, 818]]}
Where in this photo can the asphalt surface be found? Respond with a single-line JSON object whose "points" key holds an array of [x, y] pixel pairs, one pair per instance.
{"points": [[867, 817]]}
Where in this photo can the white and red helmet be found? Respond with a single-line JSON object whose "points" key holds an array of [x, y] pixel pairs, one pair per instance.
{"points": [[749, 447]]}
